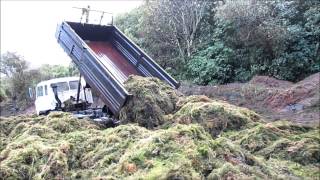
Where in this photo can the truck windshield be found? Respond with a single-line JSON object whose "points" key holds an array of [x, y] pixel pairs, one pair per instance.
{"points": [[73, 84], [61, 86], [39, 91]]}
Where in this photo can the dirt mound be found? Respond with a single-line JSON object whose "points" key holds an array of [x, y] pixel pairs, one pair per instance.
{"points": [[152, 99], [267, 81], [305, 93], [41, 150], [271, 98]]}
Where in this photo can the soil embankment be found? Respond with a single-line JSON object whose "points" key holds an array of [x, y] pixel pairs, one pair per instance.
{"points": [[273, 99]]}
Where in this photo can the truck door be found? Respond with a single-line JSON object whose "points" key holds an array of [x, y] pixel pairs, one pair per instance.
{"points": [[43, 101]]}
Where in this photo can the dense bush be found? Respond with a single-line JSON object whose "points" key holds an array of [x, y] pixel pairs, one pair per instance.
{"points": [[232, 40], [211, 65]]}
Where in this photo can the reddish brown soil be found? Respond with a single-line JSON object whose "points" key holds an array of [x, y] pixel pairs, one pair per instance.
{"points": [[274, 99], [305, 92], [270, 82]]}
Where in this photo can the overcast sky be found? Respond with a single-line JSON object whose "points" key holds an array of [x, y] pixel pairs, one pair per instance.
{"points": [[28, 27]]}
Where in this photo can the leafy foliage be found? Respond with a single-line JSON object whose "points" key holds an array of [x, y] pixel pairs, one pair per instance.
{"points": [[14, 77], [232, 40], [211, 65], [55, 71]]}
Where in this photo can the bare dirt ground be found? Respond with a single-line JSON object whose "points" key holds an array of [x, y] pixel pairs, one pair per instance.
{"points": [[273, 99], [8, 109]]}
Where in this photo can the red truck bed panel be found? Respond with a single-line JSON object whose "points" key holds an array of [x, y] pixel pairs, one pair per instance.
{"points": [[113, 60]]}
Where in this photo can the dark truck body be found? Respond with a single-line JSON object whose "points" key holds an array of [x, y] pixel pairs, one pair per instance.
{"points": [[106, 57]]}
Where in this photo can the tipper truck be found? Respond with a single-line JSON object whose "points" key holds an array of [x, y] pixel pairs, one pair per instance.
{"points": [[105, 58]]}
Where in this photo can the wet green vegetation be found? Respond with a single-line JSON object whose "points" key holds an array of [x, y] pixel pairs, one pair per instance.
{"points": [[183, 138]]}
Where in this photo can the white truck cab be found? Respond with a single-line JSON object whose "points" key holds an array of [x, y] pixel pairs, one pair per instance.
{"points": [[66, 87]]}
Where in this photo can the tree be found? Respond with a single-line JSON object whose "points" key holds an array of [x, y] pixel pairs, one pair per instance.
{"points": [[56, 71], [14, 67], [73, 69], [11, 63], [271, 37], [167, 30], [212, 41], [137, 27], [177, 22]]}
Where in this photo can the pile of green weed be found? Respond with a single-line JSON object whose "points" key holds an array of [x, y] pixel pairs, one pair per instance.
{"points": [[196, 138], [34, 147], [156, 104], [45, 148], [215, 116], [151, 100], [282, 143], [281, 140]]}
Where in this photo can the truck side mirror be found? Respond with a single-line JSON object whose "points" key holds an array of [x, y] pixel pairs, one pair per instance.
{"points": [[31, 92]]}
